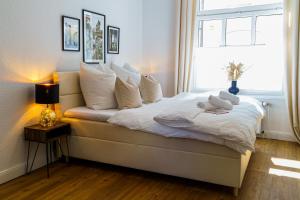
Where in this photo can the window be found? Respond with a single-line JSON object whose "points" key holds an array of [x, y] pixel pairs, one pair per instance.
{"points": [[238, 31], [247, 31], [212, 32], [268, 30]]}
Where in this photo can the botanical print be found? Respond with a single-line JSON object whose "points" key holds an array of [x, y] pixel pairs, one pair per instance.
{"points": [[71, 41], [94, 37], [113, 39]]}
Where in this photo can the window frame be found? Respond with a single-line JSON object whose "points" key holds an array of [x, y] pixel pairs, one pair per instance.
{"points": [[232, 13]]}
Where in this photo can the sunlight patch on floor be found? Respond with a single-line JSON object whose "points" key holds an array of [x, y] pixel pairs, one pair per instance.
{"points": [[286, 163], [279, 172]]}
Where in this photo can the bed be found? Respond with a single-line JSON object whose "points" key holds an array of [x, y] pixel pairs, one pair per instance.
{"points": [[103, 142]]}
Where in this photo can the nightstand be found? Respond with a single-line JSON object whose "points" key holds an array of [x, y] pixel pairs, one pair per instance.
{"points": [[46, 135]]}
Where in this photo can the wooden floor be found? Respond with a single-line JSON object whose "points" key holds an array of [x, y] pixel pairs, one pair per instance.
{"points": [[89, 180]]}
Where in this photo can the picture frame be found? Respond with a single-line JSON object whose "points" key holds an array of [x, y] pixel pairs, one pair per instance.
{"points": [[94, 38], [70, 33], [113, 40]]}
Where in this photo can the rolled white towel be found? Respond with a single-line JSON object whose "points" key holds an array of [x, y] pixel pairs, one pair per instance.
{"points": [[235, 100], [220, 103], [206, 106]]}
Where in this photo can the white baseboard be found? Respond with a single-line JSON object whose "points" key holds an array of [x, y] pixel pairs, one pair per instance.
{"points": [[277, 135], [12, 173], [17, 171]]}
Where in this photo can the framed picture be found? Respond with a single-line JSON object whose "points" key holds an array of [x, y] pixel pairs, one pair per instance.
{"points": [[113, 42], [93, 37], [70, 34]]}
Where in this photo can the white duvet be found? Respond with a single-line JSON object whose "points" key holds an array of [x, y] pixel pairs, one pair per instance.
{"points": [[235, 129]]}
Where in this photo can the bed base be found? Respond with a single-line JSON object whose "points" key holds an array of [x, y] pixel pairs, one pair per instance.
{"points": [[196, 166]]}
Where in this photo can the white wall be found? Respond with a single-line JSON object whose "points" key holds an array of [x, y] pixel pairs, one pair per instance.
{"points": [[159, 32], [159, 26], [276, 122], [30, 50]]}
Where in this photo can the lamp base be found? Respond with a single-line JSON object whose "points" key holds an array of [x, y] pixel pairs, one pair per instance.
{"points": [[48, 118]]}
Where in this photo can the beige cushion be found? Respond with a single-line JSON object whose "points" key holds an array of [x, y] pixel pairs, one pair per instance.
{"points": [[127, 94], [150, 89], [98, 87]]}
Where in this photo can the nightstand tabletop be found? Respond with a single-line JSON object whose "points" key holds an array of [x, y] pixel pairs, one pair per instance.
{"points": [[45, 134], [41, 128]]}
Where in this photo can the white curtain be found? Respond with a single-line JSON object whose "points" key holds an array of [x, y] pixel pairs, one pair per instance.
{"points": [[292, 62], [186, 18]]}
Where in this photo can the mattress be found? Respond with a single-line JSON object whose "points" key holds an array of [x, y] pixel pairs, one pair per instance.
{"points": [[109, 132], [235, 129], [89, 114]]}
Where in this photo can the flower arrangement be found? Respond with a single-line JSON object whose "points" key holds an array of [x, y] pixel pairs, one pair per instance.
{"points": [[235, 71]]}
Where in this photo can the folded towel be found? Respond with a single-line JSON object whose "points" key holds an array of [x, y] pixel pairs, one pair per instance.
{"points": [[174, 121], [206, 106], [181, 116], [217, 111], [235, 100], [220, 103]]}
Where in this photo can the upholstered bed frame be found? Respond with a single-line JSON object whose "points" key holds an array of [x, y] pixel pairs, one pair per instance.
{"points": [[103, 142]]}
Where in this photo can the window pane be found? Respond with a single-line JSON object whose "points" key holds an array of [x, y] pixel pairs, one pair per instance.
{"points": [[269, 30], [212, 33], [238, 31], [223, 4], [209, 64]]}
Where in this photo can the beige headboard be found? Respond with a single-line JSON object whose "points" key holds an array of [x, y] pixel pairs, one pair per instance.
{"points": [[70, 95]]}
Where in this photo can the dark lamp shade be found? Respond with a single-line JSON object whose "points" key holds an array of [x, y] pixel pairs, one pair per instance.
{"points": [[47, 93]]}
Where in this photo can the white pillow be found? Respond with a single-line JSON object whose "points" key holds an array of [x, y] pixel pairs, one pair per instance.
{"points": [[124, 74], [150, 89], [130, 68], [103, 67], [98, 87]]}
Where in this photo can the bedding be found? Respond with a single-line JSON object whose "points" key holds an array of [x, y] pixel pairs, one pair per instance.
{"points": [[124, 74], [208, 107], [235, 100], [220, 103], [90, 129], [130, 68], [235, 130], [150, 89], [97, 86], [90, 114], [127, 94]]}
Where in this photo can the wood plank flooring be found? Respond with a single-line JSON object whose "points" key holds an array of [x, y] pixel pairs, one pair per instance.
{"points": [[89, 180]]}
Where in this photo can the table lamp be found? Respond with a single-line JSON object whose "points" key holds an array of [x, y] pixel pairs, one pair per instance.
{"points": [[47, 94]]}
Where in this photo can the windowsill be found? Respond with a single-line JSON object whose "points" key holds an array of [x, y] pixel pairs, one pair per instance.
{"points": [[261, 95]]}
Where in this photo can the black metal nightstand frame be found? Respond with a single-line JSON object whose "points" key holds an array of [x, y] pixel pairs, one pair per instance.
{"points": [[47, 136]]}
